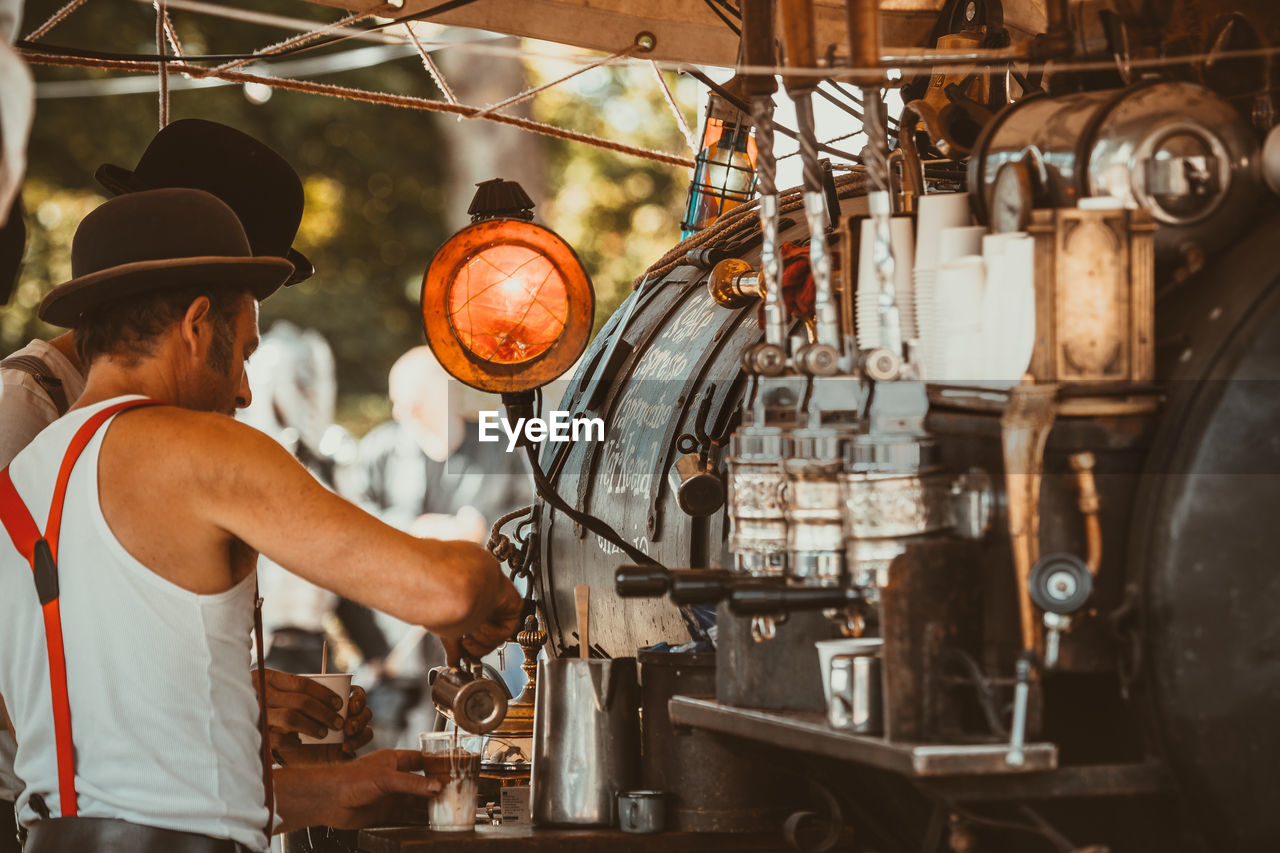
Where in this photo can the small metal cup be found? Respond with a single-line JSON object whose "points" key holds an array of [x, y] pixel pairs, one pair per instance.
{"points": [[642, 811], [856, 702]]}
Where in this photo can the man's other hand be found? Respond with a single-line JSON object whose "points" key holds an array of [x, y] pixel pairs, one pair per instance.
{"points": [[297, 705], [381, 788]]}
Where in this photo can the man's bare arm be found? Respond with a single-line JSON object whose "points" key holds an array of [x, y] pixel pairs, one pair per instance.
{"points": [[218, 478]]}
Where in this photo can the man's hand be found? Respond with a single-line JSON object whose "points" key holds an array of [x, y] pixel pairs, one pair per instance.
{"points": [[380, 788], [297, 705], [498, 606]]}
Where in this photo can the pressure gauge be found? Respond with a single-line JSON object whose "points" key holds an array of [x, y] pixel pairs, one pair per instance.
{"points": [[1012, 197]]}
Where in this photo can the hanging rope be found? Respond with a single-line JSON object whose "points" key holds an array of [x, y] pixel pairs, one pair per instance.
{"points": [[39, 31], [430, 65], [330, 90], [163, 74], [834, 139], [689, 138], [306, 37], [638, 47], [171, 34]]}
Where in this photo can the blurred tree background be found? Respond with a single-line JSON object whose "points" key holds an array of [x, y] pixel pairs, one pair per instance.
{"points": [[384, 186]]}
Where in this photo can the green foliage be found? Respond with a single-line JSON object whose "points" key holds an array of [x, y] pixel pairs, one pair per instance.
{"points": [[621, 213], [374, 180], [374, 203]]}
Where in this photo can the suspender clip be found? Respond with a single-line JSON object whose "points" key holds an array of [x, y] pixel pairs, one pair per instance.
{"points": [[45, 572]]}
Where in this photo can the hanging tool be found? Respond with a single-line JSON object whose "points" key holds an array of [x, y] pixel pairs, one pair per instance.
{"points": [[770, 357], [864, 50], [820, 358]]}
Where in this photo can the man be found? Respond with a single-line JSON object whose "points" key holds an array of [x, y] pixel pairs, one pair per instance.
{"points": [[39, 382], [162, 519]]}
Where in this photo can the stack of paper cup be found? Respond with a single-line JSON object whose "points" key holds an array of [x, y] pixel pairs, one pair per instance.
{"points": [[958, 300], [936, 212], [867, 304], [1008, 307], [959, 241]]}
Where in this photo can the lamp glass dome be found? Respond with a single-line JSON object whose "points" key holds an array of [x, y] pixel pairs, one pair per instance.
{"points": [[508, 304]]}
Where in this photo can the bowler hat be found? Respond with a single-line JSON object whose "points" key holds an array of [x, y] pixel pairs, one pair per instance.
{"points": [[155, 240], [258, 184]]}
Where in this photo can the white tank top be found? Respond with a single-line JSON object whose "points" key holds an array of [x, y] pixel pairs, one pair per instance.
{"points": [[163, 712]]}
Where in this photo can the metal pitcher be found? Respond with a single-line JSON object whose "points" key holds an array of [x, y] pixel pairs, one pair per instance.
{"points": [[586, 739]]}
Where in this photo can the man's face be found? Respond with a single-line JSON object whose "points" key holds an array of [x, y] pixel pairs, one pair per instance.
{"points": [[228, 382]]}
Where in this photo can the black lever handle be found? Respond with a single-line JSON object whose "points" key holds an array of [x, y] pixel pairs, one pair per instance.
{"points": [[686, 586], [641, 581], [766, 598]]}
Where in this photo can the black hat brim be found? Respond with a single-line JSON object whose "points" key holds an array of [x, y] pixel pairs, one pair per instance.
{"points": [[67, 303]]}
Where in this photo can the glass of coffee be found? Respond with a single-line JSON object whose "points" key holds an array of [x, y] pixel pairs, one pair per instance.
{"points": [[452, 759]]}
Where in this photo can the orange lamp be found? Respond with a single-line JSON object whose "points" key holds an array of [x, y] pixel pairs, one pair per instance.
{"points": [[506, 304]]}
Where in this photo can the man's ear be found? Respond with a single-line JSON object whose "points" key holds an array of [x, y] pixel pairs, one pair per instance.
{"points": [[196, 330]]}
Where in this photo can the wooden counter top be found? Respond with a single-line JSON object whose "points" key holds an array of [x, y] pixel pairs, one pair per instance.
{"points": [[559, 840]]}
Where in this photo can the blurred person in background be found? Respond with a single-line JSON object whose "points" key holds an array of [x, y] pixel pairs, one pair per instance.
{"points": [[426, 472], [295, 392]]}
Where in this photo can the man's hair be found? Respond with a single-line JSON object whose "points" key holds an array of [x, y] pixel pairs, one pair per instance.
{"points": [[130, 328]]}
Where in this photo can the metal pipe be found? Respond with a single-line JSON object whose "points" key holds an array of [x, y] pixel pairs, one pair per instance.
{"points": [[864, 33], [800, 41], [876, 159], [864, 51], [758, 46], [1024, 429], [826, 315], [912, 168], [1082, 464], [1016, 756]]}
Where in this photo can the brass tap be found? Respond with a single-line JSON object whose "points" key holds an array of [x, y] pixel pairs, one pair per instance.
{"points": [[733, 283], [1082, 463]]}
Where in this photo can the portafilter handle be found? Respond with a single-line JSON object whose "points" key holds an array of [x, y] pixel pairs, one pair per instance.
{"points": [[686, 586]]}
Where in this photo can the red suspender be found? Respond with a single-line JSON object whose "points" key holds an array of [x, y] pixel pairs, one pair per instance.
{"points": [[41, 552]]}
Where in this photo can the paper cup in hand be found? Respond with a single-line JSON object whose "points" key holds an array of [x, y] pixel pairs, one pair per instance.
{"points": [[340, 683]]}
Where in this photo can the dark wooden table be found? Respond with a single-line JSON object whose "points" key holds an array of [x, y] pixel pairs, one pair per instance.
{"points": [[556, 840]]}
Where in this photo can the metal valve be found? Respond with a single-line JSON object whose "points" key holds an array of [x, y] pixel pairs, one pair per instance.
{"points": [[1060, 584], [1016, 756]]}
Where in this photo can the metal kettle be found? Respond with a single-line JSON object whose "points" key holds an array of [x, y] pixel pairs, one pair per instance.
{"points": [[586, 739]]}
